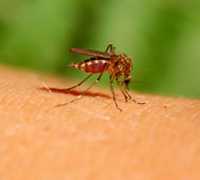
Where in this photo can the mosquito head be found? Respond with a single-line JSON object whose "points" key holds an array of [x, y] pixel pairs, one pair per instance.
{"points": [[126, 65], [121, 68], [126, 68]]}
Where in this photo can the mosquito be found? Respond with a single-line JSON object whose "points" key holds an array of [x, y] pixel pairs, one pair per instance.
{"points": [[118, 66]]}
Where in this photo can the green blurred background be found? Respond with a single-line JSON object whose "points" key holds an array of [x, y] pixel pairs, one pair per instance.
{"points": [[163, 37]]}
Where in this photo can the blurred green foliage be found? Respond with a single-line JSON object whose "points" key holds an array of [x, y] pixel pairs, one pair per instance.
{"points": [[163, 37]]}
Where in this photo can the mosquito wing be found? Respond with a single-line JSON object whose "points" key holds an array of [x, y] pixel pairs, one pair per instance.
{"points": [[88, 52]]}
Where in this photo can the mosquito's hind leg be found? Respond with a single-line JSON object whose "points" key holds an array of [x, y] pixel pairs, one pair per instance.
{"points": [[80, 96], [95, 82], [77, 85]]}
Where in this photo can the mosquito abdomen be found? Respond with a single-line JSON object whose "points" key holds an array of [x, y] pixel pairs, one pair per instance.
{"points": [[92, 66]]}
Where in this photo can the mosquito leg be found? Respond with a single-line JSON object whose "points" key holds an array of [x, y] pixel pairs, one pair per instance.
{"points": [[113, 93], [80, 96], [131, 98], [127, 93], [124, 94], [76, 85], [110, 48], [126, 97], [95, 82]]}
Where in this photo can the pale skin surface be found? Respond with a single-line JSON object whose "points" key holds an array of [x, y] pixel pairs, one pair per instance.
{"points": [[90, 139]]}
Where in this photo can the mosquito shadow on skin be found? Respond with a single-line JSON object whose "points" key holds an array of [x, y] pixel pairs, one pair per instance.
{"points": [[74, 92]]}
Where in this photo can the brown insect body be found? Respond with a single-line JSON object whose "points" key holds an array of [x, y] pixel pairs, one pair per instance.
{"points": [[116, 65], [119, 67]]}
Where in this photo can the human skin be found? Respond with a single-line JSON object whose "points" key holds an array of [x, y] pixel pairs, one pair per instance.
{"points": [[90, 139]]}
